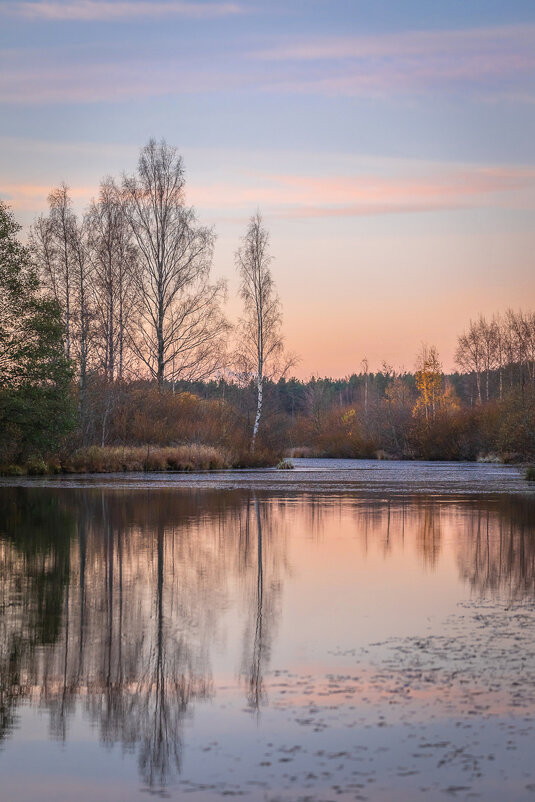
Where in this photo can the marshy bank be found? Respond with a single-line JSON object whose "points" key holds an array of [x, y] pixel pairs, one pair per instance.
{"points": [[144, 458]]}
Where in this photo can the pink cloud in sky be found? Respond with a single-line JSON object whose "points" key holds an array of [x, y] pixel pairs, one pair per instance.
{"points": [[33, 197], [299, 196], [507, 39], [494, 62], [360, 195], [407, 61], [95, 82], [102, 10]]}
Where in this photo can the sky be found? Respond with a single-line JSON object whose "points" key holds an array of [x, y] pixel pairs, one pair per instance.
{"points": [[389, 145]]}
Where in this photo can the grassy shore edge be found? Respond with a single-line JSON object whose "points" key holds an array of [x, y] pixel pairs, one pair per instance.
{"points": [[145, 458]]}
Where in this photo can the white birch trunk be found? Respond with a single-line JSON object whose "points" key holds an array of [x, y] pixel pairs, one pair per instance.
{"points": [[258, 412]]}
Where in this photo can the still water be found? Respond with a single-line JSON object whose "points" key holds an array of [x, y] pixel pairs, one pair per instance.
{"points": [[347, 630]]}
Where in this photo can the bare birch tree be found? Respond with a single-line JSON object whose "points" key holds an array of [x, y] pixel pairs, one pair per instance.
{"points": [[60, 250], [488, 337], [469, 355], [182, 328], [50, 241], [114, 260], [261, 342], [82, 314]]}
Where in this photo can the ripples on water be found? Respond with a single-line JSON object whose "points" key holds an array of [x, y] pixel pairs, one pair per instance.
{"points": [[358, 633]]}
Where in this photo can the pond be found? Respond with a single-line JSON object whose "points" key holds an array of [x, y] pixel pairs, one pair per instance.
{"points": [[346, 630]]}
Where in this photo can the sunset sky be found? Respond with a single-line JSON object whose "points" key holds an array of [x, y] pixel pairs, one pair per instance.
{"points": [[390, 145]]}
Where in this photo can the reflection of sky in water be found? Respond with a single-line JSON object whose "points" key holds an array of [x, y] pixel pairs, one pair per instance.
{"points": [[188, 639]]}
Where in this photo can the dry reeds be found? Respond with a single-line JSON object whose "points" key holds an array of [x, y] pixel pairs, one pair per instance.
{"points": [[116, 459]]}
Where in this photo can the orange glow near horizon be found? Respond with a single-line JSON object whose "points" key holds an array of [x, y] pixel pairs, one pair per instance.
{"points": [[369, 264]]}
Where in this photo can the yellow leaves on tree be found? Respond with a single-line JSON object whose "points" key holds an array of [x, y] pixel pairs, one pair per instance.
{"points": [[429, 380], [348, 421]]}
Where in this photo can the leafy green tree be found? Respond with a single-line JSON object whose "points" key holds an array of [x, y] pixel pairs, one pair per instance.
{"points": [[36, 407]]}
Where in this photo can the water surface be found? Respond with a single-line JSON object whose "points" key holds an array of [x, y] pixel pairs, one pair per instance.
{"points": [[342, 631]]}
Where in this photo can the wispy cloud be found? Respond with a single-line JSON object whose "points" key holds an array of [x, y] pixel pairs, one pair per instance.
{"points": [[407, 61], [100, 10], [33, 197], [297, 196], [122, 78], [405, 43], [487, 63], [397, 188]]}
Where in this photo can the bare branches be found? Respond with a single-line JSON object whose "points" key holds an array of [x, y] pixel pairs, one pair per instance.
{"points": [[183, 327], [503, 344], [260, 351], [115, 264], [51, 244], [60, 252]]}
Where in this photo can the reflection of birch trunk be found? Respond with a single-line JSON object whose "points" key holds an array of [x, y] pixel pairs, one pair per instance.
{"points": [[109, 594], [255, 676], [120, 636], [245, 537], [82, 541], [62, 723], [162, 744]]}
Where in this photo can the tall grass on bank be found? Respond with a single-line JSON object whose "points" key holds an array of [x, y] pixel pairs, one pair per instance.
{"points": [[112, 459], [118, 459]]}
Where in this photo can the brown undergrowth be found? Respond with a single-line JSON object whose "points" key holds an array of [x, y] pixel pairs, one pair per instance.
{"points": [[111, 459], [118, 459]]}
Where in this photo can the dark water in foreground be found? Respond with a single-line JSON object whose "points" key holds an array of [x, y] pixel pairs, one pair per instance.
{"points": [[343, 631]]}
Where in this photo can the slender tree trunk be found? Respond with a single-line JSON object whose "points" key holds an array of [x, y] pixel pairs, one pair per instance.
{"points": [[258, 411], [121, 329], [109, 400], [84, 349], [67, 296], [160, 345]]}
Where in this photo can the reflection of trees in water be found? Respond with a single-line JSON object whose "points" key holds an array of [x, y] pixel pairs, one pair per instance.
{"points": [[386, 524], [115, 598], [139, 584], [429, 534], [499, 556], [493, 536], [35, 536], [264, 596]]}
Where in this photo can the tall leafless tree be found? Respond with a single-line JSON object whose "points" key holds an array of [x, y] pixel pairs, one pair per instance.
{"points": [[261, 342], [60, 249], [469, 354], [83, 309], [489, 338], [51, 239], [114, 260], [182, 326]]}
